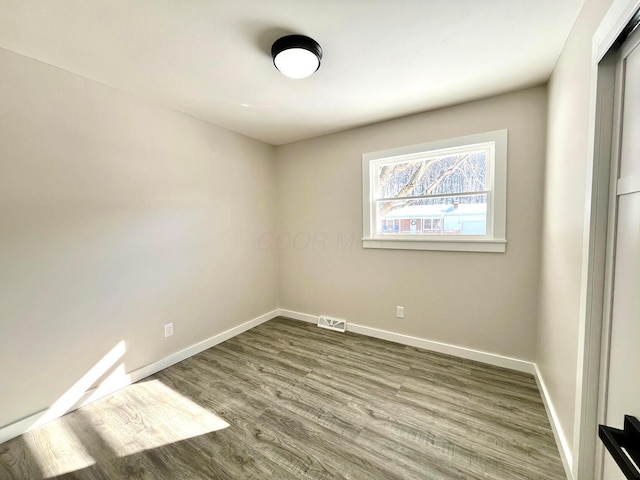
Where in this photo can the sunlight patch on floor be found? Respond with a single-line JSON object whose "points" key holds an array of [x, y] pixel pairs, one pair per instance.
{"points": [[57, 450], [152, 415], [139, 417]]}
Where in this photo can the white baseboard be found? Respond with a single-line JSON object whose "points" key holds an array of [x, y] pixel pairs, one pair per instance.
{"points": [[462, 352], [24, 425], [155, 367], [305, 317], [561, 440]]}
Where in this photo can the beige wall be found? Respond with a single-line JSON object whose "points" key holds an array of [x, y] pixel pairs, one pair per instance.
{"points": [[564, 210], [482, 301], [116, 217]]}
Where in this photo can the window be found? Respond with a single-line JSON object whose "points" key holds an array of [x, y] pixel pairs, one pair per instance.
{"points": [[390, 225], [432, 225], [445, 195]]}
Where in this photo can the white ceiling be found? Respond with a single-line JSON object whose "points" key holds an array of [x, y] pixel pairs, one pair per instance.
{"points": [[210, 58]]}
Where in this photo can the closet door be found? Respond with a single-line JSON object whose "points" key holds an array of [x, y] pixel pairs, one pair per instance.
{"points": [[623, 391]]}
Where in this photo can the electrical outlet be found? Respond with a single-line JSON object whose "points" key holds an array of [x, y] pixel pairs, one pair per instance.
{"points": [[168, 329], [399, 312]]}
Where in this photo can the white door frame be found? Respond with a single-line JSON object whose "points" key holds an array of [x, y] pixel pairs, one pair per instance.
{"points": [[595, 289]]}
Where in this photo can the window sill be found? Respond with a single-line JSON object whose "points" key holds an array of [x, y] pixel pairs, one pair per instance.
{"points": [[489, 246]]}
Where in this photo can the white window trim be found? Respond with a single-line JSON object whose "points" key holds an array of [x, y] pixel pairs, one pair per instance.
{"points": [[494, 242]]}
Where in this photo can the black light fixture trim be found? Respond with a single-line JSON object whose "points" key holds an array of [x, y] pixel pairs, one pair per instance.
{"points": [[296, 41]]}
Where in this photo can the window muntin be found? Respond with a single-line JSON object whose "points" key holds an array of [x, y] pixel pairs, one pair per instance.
{"points": [[448, 191]]}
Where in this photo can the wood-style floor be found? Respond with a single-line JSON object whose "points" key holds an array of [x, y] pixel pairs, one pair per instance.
{"points": [[288, 400]]}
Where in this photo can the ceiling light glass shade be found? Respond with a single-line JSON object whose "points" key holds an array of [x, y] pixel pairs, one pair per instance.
{"points": [[296, 56]]}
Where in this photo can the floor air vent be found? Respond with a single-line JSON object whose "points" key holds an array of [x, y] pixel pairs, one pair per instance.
{"points": [[332, 323]]}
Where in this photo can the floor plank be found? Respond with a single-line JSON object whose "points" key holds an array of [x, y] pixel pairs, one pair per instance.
{"points": [[287, 400]]}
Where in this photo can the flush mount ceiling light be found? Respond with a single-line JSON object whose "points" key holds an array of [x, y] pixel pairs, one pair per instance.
{"points": [[296, 56]]}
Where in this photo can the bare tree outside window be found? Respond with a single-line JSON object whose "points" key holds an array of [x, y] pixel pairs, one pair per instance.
{"points": [[437, 183], [463, 173]]}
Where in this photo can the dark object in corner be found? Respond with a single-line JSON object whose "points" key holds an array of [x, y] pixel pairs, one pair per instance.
{"points": [[624, 446]]}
